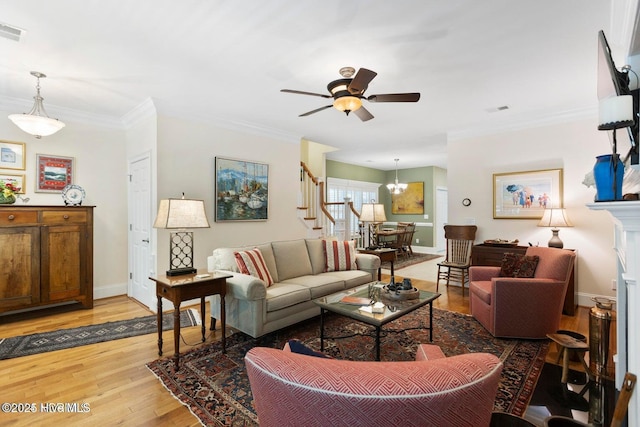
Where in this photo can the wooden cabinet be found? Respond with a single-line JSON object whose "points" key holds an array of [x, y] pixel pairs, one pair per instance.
{"points": [[484, 254], [46, 256]]}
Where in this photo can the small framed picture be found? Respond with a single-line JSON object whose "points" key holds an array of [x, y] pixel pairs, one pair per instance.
{"points": [[54, 173], [12, 155], [525, 195], [16, 180]]}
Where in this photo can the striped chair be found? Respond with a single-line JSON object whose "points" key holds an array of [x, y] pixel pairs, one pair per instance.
{"points": [[291, 389]]}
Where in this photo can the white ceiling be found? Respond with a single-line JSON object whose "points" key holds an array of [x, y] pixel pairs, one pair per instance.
{"points": [[226, 61]]}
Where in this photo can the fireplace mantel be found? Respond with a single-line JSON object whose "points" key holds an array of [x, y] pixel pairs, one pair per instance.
{"points": [[626, 219]]}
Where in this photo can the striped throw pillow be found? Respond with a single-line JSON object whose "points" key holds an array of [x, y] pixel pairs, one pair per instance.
{"points": [[339, 255], [251, 262]]}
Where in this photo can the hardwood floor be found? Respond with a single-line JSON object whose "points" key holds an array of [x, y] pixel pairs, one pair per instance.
{"points": [[112, 378]]}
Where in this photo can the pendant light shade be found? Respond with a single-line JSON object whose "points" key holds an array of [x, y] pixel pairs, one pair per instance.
{"points": [[396, 188], [36, 122]]}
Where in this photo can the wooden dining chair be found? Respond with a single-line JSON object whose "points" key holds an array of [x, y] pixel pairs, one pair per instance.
{"points": [[455, 266]]}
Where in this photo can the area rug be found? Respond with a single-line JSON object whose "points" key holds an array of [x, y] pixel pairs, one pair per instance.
{"points": [[215, 387], [416, 258], [26, 345]]}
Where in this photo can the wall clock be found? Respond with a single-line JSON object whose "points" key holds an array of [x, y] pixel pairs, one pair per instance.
{"points": [[73, 195]]}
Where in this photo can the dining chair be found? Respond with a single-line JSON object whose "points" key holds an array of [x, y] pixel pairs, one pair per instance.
{"points": [[455, 267]]}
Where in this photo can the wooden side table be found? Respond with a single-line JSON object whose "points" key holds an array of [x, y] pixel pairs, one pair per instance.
{"points": [[385, 254], [183, 288]]}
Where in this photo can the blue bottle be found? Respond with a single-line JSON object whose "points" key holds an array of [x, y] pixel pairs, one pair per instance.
{"points": [[603, 172]]}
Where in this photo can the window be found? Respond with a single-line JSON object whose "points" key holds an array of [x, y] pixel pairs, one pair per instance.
{"points": [[359, 191]]}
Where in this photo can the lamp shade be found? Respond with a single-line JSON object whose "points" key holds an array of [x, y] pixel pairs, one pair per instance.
{"points": [[555, 217], [615, 112], [181, 213], [372, 212]]}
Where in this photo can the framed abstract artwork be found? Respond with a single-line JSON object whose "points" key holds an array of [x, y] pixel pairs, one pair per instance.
{"points": [[410, 201], [54, 173], [242, 190], [525, 195]]}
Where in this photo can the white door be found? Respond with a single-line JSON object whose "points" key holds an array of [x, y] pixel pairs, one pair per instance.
{"points": [[442, 213], [140, 287]]}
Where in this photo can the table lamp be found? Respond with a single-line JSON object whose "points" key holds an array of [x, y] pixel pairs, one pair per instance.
{"points": [[181, 214], [372, 213], [555, 217]]}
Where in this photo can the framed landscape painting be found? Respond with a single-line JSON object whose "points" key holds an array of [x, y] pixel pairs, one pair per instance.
{"points": [[54, 173], [525, 195], [410, 201], [242, 190]]}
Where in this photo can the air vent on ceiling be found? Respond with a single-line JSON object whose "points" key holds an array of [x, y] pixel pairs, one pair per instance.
{"points": [[9, 32]]}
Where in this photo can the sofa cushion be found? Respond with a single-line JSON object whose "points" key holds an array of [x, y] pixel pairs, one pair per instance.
{"points": [[282, 295], [251, 262], [316, 255], [514, 265], [319, 285], [340, 255], [482, 289], [292, 259]]}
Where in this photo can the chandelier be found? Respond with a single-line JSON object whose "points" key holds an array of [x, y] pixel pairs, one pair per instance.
{"points": [[396, 188], [36, 122]]}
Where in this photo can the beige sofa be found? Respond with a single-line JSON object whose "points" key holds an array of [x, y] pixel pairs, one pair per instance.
{"points": [[298, 270]]}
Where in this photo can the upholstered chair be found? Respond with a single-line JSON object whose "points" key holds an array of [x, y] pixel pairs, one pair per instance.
{"points": [[522, 307], [291, 389]]}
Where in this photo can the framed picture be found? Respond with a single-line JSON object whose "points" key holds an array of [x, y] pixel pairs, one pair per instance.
{"points": [[410, 201], [12, 155], [525, 195], [54, 173], [16, 180], [242, 190]]}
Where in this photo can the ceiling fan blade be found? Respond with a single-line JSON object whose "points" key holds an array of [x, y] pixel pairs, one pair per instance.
{"points": [[300, 92], [395, 97], [363, 114], [361, 81], [308, 113]]}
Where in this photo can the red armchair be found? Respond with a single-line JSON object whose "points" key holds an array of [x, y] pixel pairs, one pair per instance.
{"points": [[511, 307], [291, 389]]}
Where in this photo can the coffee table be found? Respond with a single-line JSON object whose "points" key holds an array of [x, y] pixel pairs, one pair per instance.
{"points": [[393, 310]]}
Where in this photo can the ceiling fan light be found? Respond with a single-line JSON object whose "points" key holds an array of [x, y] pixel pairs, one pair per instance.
{"points": [[37, 122], [347, 103]]}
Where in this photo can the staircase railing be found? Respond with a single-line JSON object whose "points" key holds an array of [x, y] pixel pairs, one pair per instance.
{"points": [[318, 210]]}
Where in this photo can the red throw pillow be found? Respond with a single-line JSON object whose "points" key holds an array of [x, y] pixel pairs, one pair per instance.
{"points": [[339, 255], [251, 262], [514, 265]]}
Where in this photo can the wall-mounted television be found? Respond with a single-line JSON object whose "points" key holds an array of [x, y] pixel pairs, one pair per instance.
{"points": [[613, 82]]}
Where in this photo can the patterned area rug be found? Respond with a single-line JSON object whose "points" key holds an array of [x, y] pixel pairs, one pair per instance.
{"points": [[68, 338], [416, 258], [215, 387]]}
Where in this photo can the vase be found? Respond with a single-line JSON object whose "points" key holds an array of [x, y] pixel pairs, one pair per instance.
{"points": [[608, 175], [7, 200]]}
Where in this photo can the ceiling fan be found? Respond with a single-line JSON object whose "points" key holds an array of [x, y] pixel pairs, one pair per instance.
{"points": [[348, 93]]}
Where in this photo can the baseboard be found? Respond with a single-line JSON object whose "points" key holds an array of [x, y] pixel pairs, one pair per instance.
{"points": [[109, 291]]}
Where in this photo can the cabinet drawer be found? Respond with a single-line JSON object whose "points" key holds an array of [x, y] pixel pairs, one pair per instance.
{"points": [[64, 217], [10, 217]]}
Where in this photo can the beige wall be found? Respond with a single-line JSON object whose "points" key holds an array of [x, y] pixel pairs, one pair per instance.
{"points": [[572, 147], [101, 169], [185, 157]]}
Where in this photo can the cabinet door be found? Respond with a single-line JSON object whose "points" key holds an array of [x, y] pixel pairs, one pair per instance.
{"points": [[19, 267], [64, 266]]}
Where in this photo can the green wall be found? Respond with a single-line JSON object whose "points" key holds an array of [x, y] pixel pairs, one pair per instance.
{"points": [[431, 177]]}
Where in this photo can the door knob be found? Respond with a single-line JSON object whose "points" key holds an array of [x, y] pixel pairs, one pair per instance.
{"points": [[145, 240]]}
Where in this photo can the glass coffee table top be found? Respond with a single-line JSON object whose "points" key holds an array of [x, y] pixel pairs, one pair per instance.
{"points": [[393, 308]]}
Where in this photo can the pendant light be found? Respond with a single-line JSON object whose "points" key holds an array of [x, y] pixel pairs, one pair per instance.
{"points": [[396, 188], [36, 122]]}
